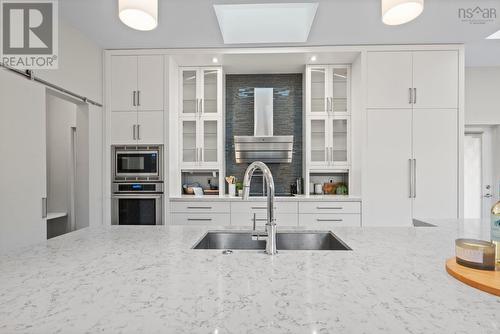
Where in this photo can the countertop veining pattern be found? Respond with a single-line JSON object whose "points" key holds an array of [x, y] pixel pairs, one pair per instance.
{"points": [[295, 198], [131, 279]]}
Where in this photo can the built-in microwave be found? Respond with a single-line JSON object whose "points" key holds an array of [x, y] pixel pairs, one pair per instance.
{"points": [[132, 163]]}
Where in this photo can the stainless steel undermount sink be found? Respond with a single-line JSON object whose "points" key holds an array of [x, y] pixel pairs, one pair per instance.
{"points": [[297, 240]]}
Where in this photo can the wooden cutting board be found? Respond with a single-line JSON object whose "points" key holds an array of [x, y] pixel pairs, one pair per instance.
{"points": [[488, 281]]}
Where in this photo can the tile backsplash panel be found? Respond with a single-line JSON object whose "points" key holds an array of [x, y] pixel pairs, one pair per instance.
{"points": [[287, 108]]}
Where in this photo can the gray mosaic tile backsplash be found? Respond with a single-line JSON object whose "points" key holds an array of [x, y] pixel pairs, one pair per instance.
{"points": [[287, 121]]}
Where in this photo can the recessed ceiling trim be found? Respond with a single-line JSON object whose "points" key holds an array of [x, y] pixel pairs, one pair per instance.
{"points": [[265, 23]]}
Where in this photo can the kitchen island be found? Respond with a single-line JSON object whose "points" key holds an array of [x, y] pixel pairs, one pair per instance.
{"points": [[132, 279]]}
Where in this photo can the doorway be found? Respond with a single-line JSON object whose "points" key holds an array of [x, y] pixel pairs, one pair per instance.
{"points": [[478, 172]]}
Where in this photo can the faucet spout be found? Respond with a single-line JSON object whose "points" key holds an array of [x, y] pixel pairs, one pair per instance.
{"points": [[270, 224]]}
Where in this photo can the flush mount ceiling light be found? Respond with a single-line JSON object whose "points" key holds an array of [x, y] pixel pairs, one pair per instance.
{"points": [[313, 58], [395, 12], [495, 35], [265, 23], [139, 14]]}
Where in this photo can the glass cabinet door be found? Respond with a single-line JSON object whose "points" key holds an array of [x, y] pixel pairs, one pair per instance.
{"points": [[339, 133], [210, 86], [318, 141], [189, 97], [210, 141], [318, 91], [339, 84], [189, 148]]}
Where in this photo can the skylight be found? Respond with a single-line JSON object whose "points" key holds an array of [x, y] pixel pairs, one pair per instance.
{"points": [[265, 23], [495, 35]]}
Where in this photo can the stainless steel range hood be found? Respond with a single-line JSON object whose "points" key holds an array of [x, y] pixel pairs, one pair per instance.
{"points": [[263, 146]]}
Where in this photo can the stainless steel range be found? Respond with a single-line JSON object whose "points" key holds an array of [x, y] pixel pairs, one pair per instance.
{"points": [[137, 187]]}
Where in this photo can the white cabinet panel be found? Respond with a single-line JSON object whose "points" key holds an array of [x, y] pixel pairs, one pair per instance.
{"points": [[201, 207], [435, 153], [389, 78], [329, 207], [246, 219], [261, 207], [150, 127], [318, 90], [123, 82], [386, 190], [217, 219], [123, 127], [150, 83], [435, 78], [326, 221]]}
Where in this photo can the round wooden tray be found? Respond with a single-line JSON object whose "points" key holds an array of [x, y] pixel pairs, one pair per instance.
{"points": [[488, 281]]}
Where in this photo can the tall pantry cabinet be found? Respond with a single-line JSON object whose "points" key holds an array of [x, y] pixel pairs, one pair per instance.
{"points": [[412, 137]]}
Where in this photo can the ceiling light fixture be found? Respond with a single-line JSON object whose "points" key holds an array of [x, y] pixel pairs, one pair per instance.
{"points": [[215, 60], [313, 58], [139, 14], [495, 35], [396, 12]]}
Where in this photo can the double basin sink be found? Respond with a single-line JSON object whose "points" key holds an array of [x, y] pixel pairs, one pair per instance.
{"points": [[297, 240]]}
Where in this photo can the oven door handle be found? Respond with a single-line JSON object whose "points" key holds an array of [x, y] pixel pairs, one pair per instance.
{"points": [[140, 195]]}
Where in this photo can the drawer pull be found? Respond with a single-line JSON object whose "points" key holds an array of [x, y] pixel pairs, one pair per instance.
{"points": [[259, 207], [329, 207], [200, 207], [328, 220], [259, 219], [200, 219]]}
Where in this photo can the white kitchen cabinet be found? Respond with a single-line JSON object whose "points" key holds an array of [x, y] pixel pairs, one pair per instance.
{"points": [[389, 76], [137, 99], [327, 221], [327, 90], [137, 83], [215, 219], [150, 127], [412, 79], [201, 142], [123, 83], [190, 206], [412, 166], [328, 142], [386, 190], [150, 83], [435, 153], [435, 79], [123, 127], [322, 207], [201, 91]]}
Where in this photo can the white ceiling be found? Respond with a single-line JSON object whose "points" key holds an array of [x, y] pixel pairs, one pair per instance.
{"points": [[192, 23]]}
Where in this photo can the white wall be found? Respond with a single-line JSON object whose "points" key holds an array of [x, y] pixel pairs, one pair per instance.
{"points": [[482, 95]]}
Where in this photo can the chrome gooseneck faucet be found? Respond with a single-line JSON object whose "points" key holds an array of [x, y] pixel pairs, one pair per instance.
{"points": [[270, 224]]}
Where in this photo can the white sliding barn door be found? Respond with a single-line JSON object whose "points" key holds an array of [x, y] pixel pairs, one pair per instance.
{"points": [[23, 162]]}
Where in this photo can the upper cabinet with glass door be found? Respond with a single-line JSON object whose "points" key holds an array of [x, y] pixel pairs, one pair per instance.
{"points": [[328, 90], [201, 91]]}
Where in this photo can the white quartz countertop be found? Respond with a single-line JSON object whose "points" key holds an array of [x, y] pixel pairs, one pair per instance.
{"points": [[295, 198], [132, 279]]}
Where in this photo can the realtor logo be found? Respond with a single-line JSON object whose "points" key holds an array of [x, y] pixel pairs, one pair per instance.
{"points": [[29, 33], [477, 15]]}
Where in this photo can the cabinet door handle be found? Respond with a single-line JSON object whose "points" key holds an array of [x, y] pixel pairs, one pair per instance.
{"points": [[414, 96], [133, 98], [329, 207], [414, 178], [411, 177], [200, 207], [133, 131], [331, 104], [410, 99], [138, 132], [196, 108], [201, 106], [327, 100], [138, 97], [199, 219], [328, 220], [44, 207]]}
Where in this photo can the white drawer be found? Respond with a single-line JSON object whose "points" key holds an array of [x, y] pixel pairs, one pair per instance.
{"points": [[223, 219], [200, 206], [246, 219], [329, 220], [329, 207], [261, 206]]}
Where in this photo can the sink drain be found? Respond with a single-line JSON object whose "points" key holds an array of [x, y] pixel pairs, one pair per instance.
{"points": [[227, 252]]}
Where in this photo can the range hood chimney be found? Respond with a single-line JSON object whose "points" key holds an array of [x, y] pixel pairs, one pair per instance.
{"points": [[263, 146]]}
